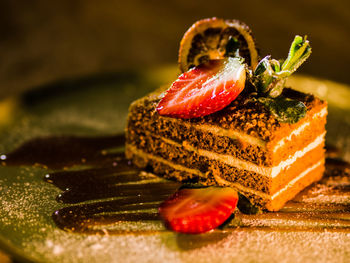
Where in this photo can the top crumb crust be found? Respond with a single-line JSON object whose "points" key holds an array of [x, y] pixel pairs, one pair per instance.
{"points": [[247, 116]]}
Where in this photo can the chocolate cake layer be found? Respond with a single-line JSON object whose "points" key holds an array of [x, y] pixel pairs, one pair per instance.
{"points": [[193, 160], [177, 172], [143, 116], [191, 157]]}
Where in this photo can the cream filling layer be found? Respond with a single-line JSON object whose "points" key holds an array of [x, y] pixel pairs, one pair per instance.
{"points": [[236, 135], [179, 167], [266, 196], [297, 131], [296, 179], [222, 181], [248, 166]]}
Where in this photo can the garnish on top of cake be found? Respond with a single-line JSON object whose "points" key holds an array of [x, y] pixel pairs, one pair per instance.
{"points": [[215, 38], [269, 78], [218, 61], [204, 89], [228, 121]]}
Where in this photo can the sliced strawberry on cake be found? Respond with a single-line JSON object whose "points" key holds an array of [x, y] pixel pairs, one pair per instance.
{"points": [[205, 89]]}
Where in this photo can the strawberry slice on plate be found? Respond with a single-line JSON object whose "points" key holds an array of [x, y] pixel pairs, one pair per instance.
{"points": [[204, 89], [198, 210]]}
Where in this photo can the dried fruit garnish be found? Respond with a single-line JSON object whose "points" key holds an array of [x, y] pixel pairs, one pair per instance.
{"points": [[215, 38]]}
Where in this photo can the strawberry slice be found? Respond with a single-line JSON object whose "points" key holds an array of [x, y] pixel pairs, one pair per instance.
{"points": [[198, 210], [204, 89]]}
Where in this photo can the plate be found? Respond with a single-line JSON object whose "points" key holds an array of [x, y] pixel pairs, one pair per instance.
{"points": [[97, 107]]}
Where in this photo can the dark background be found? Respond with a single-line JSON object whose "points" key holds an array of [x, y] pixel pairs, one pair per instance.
{"points": [[44, 41]]}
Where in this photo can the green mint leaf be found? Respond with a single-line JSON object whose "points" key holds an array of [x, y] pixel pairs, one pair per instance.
{"points": [[269, 76], [275, 65], [276, 87], [299, 51], [265, 73], [284, 109], [263, 66]]}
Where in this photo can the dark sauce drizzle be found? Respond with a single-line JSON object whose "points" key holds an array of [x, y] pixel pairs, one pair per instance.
{"points": [[57, 152], [109, 190], [106, 190]]}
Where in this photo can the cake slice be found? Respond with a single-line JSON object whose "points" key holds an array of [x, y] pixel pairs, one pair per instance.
{"points": [[228, 120], [242, 146]]}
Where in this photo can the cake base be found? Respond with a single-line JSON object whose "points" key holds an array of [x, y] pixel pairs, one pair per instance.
{"points": [[183, 174]]}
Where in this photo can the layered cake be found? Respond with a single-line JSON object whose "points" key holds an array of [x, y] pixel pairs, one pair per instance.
{"points": [[261, 150], [241, 146]]}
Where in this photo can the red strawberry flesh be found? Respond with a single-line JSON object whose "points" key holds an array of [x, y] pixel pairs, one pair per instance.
{"points": [[198, 210], [204, 89]]}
